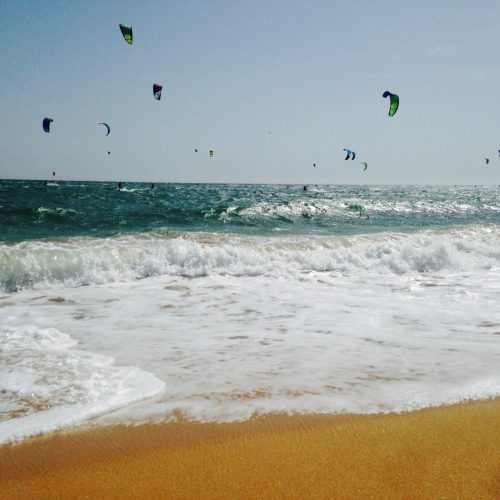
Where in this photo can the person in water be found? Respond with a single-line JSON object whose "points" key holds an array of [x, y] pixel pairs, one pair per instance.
{"points": [[152, 185], [305, 188], [120, 185]]}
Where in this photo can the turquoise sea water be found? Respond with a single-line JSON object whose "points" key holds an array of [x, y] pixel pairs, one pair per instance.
{"points": [[31, 210]]}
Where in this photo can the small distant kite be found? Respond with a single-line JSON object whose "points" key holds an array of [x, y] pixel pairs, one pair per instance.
{"points": [[195, 150], [107, 126], [211, 153], [487, 160], [365, 165], [46, 124], [109, 152], [127, 33], [157, 91], [53, 174], [394, 102], [314, 165], [350, 155]]}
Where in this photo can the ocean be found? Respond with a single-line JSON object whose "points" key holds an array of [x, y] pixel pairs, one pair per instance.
{"points": [[222, 302]]}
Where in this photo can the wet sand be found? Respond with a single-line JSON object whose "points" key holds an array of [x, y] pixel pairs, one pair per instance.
{"points": [[447, 452]]}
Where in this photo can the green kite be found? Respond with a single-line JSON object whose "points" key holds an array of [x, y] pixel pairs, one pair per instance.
{"points": [[394, 102], [127, 33]]}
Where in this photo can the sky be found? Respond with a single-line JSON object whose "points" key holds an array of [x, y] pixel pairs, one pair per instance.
{"points": [[271, 87]]}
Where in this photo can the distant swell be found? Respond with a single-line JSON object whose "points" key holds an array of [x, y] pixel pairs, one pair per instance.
{"points": [[83, 261]]}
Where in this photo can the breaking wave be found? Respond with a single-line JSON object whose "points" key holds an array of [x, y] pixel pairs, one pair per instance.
{"points": [[84, 261]]}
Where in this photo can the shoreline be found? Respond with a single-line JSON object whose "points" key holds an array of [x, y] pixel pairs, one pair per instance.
{"points": [[444, 452]]}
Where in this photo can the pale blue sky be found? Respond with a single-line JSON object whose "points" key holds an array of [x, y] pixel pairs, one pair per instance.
{"points": [[311, 73]]}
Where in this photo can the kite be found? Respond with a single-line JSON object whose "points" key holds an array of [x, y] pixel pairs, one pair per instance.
{"points": [[127, 33], [157, 91], [107, 126], [46, 124], [365, 165], [211, 153], [350, 154], [487, 160], [394, 102]]}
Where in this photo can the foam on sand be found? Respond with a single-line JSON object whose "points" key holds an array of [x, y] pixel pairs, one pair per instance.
{"points": [[47, 384]]}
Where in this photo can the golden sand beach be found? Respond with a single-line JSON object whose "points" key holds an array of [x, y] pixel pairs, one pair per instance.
{"points": [[446, 452]]}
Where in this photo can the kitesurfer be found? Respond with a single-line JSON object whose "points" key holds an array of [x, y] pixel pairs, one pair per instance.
{"points": [[119, 186]]}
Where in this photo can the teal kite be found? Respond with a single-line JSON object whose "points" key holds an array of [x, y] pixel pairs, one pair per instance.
{"points": [[350, 155]]}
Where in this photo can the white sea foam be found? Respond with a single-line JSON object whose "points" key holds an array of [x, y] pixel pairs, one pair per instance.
{"points": [[85, 261], [42, 211], [46, 384], [344, 206]]}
